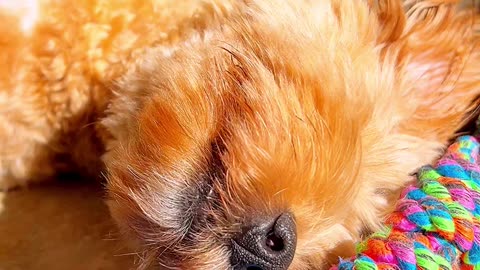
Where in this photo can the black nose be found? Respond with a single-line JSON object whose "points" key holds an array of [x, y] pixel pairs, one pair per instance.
{"points": [[267, 245]]}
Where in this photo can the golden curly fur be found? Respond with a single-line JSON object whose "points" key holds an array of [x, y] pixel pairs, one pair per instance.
{"points": [[208, 113]]}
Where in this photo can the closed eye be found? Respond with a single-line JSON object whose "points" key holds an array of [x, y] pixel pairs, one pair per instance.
{"points": [[203, 198]]}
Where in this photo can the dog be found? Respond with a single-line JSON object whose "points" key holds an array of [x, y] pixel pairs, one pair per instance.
{"points": [[236, 134]]}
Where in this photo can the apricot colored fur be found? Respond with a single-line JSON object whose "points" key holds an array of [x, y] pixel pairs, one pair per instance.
{"points": [[207, 113]]}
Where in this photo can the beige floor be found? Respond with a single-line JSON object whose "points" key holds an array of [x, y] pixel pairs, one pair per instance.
{"points": [[56, 227]]}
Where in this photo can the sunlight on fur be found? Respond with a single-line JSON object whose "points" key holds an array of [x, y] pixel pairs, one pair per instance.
{"points": [[210, 118], [27, 10]]}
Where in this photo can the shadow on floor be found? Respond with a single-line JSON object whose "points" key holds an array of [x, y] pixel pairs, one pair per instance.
{"points": [[63, 225]]}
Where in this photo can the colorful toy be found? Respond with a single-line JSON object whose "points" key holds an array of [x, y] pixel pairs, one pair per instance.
{"points": [[436, 224]]}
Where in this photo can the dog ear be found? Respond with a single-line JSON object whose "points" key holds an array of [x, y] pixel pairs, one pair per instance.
{"points": [[436, 52]]}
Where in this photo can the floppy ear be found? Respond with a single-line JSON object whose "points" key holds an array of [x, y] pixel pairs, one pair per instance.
{"points": [[436, 51]]}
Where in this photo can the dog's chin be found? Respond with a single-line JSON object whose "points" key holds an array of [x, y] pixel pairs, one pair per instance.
{"points": [[192, 248]]}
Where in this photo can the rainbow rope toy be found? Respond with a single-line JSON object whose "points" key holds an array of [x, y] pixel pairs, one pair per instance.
{"points": [[436, 224]]}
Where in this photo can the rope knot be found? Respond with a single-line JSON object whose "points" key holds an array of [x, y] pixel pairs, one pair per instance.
{"points": [[436, 224]]}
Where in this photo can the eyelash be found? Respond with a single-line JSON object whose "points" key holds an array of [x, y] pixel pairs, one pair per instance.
{"points": [[210, 193]]}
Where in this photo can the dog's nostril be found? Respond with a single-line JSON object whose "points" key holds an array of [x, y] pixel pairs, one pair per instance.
{"points": [[268, 244], [274, 242], [254, 267]]}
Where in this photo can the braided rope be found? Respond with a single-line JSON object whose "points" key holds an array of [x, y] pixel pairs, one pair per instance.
{"points": [[436, 224]]}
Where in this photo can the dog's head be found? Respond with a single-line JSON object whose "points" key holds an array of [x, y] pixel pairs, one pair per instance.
{"points": [[268, 144]]}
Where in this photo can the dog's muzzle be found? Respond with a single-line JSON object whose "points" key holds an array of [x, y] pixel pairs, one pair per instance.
{"points": [[267, 245]]}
